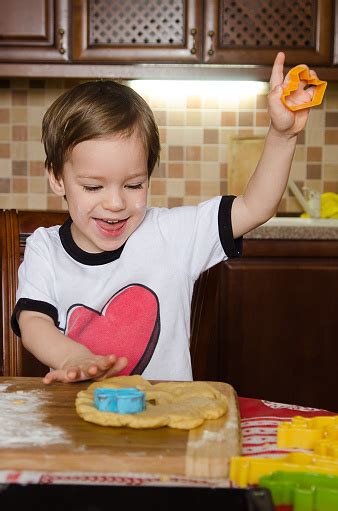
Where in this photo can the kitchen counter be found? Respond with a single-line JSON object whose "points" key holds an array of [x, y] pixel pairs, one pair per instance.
{"points": [[293, 228]]}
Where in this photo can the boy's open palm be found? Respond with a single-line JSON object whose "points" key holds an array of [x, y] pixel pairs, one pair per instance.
{"points": [[284, 120], [90, 368]]}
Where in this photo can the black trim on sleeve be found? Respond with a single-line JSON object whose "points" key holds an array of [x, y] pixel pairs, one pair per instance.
{"points": [[231, 247], [32, 305]]}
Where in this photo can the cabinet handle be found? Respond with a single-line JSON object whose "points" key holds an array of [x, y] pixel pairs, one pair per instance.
{"points": [[193, 32], [61, 33], [211, 34]]}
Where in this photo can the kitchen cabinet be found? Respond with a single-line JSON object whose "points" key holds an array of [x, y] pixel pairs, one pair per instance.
{"points": [[184, 38], [268, 322], [34, 31], [224, 33]]}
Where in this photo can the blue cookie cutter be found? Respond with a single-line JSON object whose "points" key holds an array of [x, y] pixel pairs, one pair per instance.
{"points": [[127, 400]]}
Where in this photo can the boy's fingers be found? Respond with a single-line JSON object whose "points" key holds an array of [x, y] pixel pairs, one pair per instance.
{"points": [[277, 70]]}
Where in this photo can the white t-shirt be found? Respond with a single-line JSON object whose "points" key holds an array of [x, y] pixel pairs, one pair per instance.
{"points": [[134, 301]]}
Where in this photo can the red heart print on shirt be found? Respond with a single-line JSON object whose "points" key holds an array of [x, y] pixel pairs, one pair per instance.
{"points": [[128, 325]]}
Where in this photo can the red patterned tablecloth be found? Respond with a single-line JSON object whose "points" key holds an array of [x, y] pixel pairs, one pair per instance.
{"points": [[259, 421]]}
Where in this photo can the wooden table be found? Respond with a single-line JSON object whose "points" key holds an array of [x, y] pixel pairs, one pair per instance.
{"points": [[41, 431]]}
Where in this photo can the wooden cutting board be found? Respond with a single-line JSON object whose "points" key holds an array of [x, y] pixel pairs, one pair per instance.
{"points": [[41, 431], [244, 154]]}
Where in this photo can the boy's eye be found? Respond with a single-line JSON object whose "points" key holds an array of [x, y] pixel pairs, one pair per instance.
{"points": [[88, 188], [135, 187]]}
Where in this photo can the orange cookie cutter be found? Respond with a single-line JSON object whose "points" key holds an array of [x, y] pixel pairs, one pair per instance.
{"points": [[296, 74]]}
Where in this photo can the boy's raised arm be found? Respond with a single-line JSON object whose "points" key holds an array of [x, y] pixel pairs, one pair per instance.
{"points": [[266, 186], [70, 360]]}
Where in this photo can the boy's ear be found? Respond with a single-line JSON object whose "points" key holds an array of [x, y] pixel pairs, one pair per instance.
{"points": [[56, 184]]}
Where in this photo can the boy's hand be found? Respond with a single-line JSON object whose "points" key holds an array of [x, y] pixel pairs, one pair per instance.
{"points": [[284, 120], [96, 367]]}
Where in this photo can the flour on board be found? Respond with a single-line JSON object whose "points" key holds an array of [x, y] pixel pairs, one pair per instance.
{"points": [[21, 420]]}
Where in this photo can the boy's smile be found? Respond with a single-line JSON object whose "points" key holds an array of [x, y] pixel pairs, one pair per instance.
{"points": [[105, 182]]}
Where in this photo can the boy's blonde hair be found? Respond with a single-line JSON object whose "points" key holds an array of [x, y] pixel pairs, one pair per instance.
{"points": [[94, 110]]}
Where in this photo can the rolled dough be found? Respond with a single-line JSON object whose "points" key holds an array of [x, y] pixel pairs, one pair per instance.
{"points": [[182, 405]]}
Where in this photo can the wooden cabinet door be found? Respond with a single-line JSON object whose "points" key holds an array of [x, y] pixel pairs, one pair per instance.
{"points": [[137, 31], [247, 32], [33, 30]]}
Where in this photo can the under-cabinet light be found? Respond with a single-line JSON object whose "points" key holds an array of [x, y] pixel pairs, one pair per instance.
{"points": [[172, 89]]}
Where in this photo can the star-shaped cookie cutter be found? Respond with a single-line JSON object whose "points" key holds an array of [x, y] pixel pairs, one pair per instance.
{"points": [[296, 74]]}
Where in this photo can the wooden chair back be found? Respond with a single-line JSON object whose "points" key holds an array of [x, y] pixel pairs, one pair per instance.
{"points": [[16, 226]]}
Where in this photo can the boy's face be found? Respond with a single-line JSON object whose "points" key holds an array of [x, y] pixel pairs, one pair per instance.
{"points": [[105, 182]]}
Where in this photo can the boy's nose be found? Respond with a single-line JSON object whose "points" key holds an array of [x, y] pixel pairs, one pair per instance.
{"points": [[114, 201]]}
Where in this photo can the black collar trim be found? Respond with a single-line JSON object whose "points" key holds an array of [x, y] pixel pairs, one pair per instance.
{"points": [[80, 255]]}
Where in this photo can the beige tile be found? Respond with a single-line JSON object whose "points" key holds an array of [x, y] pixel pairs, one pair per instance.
{"points": [[158, 202], [211, 103], [20, 201], [330, 172], [35, 151], [192, 170], [5, 167], [175, 170], [176, 153], [210, 171], [193, 118], [5, 133], [211, 118], [194, 102], [210, 136], [315, 136], [210, 188], [34, 133], [247, 103], [189, 200], [18, 115], [298, 170], [193, 153], [6, 201], [158, 187], [193, 187], [37, 201], [210, 153], [193, 136], [176, 118], [229, 103], [37, 185], [163, 135], [300, 154], [175, 188], [175, 136], [330, 153], [35, 115]]}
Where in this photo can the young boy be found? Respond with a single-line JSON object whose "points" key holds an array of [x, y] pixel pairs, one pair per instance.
{"points": [[109, 291]]}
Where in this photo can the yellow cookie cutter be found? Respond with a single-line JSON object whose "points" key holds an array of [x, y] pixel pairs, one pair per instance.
{"points": [[296, 74]]}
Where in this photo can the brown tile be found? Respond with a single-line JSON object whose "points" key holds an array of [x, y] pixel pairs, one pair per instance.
{"points": [[331, 119], [160, 170], [5, 185], [19, 133], [176, 152], [192, 188], [19, 168], [19, 97], [313, 171], [282, 207], [261, 102], [228, 119], [330, 186], [262, 119], [301, 138], [223, 187], [210, 136], [193, 153], [4, 115], [194, 102], [174, 202], [20, 185], [245, 119], [175, 169], [223, 170], [314, 154], [4, 151], [163, 135], [37, 84], [158, 187], [36, 168], [331, 136], [54, 203]]}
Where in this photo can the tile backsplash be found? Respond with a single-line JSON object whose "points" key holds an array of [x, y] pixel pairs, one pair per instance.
{"points": [[196, 130]]}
